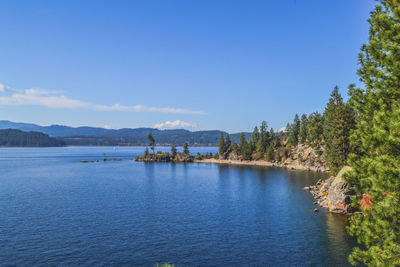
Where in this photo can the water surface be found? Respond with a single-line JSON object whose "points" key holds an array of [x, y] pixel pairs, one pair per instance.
{"points": [[58, 211]]}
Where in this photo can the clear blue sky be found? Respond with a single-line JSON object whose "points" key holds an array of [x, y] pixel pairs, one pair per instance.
{"points": [[207, 64]]}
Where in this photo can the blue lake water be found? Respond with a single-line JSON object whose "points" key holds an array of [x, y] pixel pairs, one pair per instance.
{"points": [[55, 210]]}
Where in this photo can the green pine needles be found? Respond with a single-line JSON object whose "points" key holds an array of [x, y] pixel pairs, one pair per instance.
{"points": [[376, 142]]}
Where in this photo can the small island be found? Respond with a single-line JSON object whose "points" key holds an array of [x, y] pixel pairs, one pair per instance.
{"points": [[174, 156]]}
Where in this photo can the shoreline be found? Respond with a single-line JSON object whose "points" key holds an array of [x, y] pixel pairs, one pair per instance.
{"points": [[264, 163]]}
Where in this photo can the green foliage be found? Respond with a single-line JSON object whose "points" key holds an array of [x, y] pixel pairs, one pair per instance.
{"points": [[263, 140], [244, 148], [254, 139], [221, 146], [17, 138], [146, 152], [227, 144], [338, 120], [314, 129], [151, 140], [270, 153], [173, 150], [376, 142], [303, 129], [186, 149], [278, 155], [294, 130], [242, 143]]}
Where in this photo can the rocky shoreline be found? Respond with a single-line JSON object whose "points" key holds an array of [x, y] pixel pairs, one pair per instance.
{"points": [[333, 193], [166, 157], [264, 163]]}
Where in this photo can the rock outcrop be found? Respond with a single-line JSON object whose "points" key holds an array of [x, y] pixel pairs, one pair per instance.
{"points": [[165, 157], [334, 193], [305, 157]]}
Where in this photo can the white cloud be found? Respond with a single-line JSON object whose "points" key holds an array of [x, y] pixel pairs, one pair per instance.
{"points": [[54, 99], [41, 98], [141, 108], [174, 125]]}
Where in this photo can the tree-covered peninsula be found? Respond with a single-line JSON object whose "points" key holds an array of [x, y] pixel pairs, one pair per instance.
{"points": [[17, 138]]}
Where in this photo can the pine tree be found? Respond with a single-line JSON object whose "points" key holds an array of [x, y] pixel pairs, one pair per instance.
{"points": [[261, 145], [186, 149], [314, 130], [173, 150], [242, 144], [278, 157], [227, 144], [303, 129], [151, 141], [294, 131], [376, 142], [254, 139], [338, 120], [146, 152], [221, 146], [270, 153], [271, 136]]}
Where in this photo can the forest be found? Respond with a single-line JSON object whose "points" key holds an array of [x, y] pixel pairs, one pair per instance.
{"points": [[364, 133], [17, 138]]}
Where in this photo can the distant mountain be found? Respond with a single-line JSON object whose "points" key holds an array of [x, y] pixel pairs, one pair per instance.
{"points": [[138, 136], [17, 138]]}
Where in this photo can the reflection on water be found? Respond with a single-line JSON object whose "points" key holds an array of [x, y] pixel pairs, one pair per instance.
{"points": [[57, 211]]}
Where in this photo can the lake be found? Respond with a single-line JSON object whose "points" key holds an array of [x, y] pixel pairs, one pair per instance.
{"points": [[55, 210]]}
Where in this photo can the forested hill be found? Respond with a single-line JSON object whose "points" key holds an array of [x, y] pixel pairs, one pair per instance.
{"points": [[122, 137], [17, 138]]}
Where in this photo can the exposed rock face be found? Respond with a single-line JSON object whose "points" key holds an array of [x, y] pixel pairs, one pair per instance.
{"points": [[334, 193], [308, 158]]}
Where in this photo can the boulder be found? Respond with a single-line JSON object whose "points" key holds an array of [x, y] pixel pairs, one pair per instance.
{"points": [[339, 194], [334, 193]]}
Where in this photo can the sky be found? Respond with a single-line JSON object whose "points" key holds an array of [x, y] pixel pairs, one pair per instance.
{"points": [[199, 65]]}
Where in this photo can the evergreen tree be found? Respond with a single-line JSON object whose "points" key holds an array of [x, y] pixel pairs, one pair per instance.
{"points": [[303, 129], [151, 141], [186, 149], [242, 144], [173, 150], [261, 145], [270, 153], [146, 152], [338, 120], [294, 131], [221, 147], [278, 157], [254, 139], [246, 152], [260, 149], [314, 129], [271, 136], [376, 142], [227, 144]]}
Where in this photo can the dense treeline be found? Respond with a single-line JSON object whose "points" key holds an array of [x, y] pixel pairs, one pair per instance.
{"points": [[17, 138], [375, 142], [328, 134], [363, 133]]}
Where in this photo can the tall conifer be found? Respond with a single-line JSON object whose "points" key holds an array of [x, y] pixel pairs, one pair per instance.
{"points": [[376, 142]]}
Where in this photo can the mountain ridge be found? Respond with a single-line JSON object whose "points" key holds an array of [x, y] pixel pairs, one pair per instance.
{"points": [[86, 135]]}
